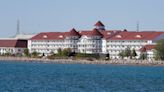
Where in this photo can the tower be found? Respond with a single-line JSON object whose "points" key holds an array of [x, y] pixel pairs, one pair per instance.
{"points": [[137, 26], [100, 26], [18, 27]]}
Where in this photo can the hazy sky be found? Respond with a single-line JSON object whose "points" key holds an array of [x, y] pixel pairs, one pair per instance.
{"points": [[62, 15]]}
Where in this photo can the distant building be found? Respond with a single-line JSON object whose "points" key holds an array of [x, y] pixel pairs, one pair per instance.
{"points": [[99, 40], [15, 44], [85, 41], [12, 46]]}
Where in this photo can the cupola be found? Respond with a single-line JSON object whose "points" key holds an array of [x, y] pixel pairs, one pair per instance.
{"points": [[99, 25]]}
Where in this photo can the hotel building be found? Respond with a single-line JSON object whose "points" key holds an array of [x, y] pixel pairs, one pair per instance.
{"points": [[98, 40]]}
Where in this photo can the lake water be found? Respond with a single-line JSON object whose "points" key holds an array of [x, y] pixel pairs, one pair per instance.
{"points": [[44, 77]]}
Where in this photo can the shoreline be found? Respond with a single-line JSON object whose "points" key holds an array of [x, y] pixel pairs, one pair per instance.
{"points": [[79, 61]]}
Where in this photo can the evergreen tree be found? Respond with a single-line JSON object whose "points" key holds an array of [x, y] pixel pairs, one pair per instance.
{"points": [[122, 54], [127, 52], [66, 51], [134, 54], [35, 54], [143, 56], [59, 51], [160, 49], [26, 52]]}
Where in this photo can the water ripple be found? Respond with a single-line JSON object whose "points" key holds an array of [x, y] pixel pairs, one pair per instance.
{"points": [[39, 77]]}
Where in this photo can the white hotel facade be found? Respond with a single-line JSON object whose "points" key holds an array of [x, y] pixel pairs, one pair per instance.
{"points": [[99, 40]]}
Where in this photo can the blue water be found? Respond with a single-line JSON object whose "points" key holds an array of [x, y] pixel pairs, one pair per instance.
{"points": [[41, 77]]}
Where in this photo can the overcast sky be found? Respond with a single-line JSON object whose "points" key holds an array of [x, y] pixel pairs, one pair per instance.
{"points": [[62, 15]]}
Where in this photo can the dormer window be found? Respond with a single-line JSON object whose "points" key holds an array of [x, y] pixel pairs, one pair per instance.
{"points": [[61, 36], [138, 36], [44, 36], [108, 33], [118, 36]]}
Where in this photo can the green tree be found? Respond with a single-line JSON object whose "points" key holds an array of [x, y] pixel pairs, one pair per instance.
{"points": [[66, 51], [160, 49], [107, 57], [26, 52], [52, 53], [35, 54], [51, 56], [143, 56], [133, 54], [122, 54], [127, 52], [59, 51], [7, 53], [156, 55]]}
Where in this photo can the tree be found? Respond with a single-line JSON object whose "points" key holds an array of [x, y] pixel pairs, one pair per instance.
{"points": [[107, 57], [160, 49], [122, 54], [127, 52], [59, 51], [156, 55], [7, 53], [51, 56], [66, 51], [26, 52], [133, 54], [35, 54], [143, 56]]}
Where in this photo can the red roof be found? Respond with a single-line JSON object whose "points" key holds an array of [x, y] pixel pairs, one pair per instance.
{"points": [[147, 47], [107, 34], [99, 23], [13, 43], [94, 32], [72, 32], [49, 36], [124, 35]]}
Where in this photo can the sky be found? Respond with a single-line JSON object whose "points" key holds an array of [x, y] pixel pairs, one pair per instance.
{"points": [[62, 15]]}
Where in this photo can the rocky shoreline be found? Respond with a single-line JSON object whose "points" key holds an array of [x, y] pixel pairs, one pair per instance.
{"points": [[79, 61]]}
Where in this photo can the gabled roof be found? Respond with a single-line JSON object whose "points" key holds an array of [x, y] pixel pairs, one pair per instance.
{"points": [[99, 23], [94, 32], [147, 47], [72, 32], [49, 36], [13, 43], [146, 35]]}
